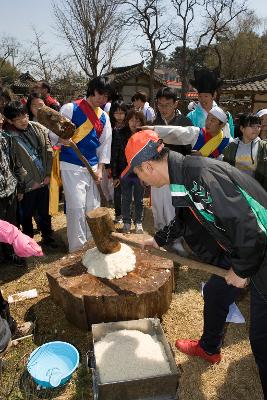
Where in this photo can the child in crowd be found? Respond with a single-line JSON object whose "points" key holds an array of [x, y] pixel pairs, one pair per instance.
{"points": [[140, 103], [131, 186], [249, 153], [107, 181], [34, 151], [119, 139]]}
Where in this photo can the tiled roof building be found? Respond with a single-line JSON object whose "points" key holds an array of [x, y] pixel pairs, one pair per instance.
{"points": [[128, 80], [122, 74], [253, 88], [254, 84], [23, 84], [132, 78]]}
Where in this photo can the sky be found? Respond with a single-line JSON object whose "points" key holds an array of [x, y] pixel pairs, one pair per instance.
{"points": [[18, 17]]}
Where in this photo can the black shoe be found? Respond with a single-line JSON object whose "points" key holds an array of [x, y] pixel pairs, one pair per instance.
{"points": [[48, 241], [17, 261]]}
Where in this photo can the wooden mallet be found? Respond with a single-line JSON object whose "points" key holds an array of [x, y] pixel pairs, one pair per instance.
{"points": [[108, 241], [65, 129]]}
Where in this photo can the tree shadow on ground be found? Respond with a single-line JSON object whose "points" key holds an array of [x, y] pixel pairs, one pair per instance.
{"points": [[51, 324], [190, 383], [10, 272], [238, 383], [83, 383], [236, 386]]}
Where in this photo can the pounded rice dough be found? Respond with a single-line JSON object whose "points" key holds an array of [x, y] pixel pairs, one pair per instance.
{"points": [[130, 354], [110, 266]]}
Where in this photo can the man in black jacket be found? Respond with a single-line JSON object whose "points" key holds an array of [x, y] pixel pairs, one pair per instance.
{"points": [[230, 211], [168, 114]]}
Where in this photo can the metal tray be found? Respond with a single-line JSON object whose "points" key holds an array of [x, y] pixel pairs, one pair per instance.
{"points": [[162, 387]]}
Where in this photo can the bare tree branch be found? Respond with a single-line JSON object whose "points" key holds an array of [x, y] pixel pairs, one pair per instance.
{"points": [[148, 18], [9, 48], [218, 15], [39, 59], [92, 30], [239, 49]]}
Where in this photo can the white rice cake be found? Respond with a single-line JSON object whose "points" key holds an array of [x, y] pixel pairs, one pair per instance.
{"points": [[130, 354], [110, 266]]}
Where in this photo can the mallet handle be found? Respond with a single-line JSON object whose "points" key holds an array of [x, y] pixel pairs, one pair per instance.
{"points": [[91, 172], [211, 269]]}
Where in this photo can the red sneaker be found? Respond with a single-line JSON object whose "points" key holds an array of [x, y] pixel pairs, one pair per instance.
{"points": [[192, 348]]}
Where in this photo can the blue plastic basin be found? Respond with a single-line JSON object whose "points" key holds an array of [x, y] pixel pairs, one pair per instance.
{"points": [[52, 364]]}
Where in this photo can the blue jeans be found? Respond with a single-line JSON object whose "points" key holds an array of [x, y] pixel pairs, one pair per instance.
{"points": [[132, 188]]}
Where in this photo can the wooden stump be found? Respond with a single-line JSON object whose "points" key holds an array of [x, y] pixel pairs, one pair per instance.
{"points": [[86, 299]]}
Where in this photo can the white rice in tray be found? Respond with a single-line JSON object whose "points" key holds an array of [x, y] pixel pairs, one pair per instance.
{"points": [[130, 354], [110, 266]]}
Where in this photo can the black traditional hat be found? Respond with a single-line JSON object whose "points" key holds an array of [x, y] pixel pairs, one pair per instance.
{"points": [[206, 80]]}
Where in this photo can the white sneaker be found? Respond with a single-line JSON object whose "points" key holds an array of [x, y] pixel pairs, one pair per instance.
{"points": [[139, 228], [126, 228]]}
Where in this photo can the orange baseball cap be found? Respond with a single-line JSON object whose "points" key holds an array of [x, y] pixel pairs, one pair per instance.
{"points": [[142, 146]]}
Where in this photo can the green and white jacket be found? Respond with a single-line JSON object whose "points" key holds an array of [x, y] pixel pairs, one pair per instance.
{"points": [[231, 206]]}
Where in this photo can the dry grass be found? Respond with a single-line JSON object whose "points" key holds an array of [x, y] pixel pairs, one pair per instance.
{"points": [[235, 378]]}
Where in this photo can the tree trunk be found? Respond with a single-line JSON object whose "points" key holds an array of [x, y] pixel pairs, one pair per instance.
{"points": [[146, 292], [184, 80], [151, 81]]}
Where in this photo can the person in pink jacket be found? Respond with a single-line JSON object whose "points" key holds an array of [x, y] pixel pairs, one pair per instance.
{"points": [[23, 246]]}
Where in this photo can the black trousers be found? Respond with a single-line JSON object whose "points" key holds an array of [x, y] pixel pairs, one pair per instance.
{"points": [[258, 333], [218, 296], [117, 200], [36, 203], [8, 212]]}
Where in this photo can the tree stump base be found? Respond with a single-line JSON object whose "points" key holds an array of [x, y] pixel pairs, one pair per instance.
{"points": [[86, 299]]}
